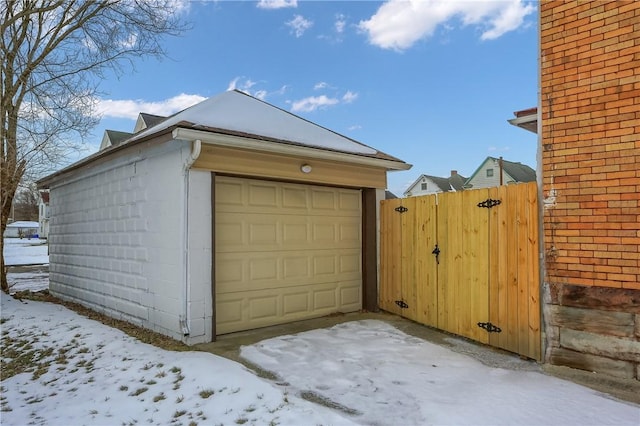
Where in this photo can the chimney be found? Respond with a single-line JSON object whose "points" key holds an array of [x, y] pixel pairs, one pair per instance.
{"points": [[453, 173]]}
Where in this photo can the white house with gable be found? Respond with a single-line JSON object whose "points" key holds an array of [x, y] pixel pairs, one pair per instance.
{"points": [[426, 184], [497, 171], [230, 215]]}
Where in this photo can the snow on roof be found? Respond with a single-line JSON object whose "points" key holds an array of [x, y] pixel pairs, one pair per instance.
{"points": [[23, 224], [239, 112]]}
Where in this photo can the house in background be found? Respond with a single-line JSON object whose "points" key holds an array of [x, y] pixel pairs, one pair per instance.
{"points": [[426, 184], [230, 215], [497, 171], [21, 229], [43, 215], [113, 137]]}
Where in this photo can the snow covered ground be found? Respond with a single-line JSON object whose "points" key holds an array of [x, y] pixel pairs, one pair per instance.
{"points": [[368, 371], [391, 378], [24, 251], [91, 374]]}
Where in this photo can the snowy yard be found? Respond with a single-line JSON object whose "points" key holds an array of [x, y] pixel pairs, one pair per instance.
{"points": [[24, 251], [387, 377], [76, 371]]}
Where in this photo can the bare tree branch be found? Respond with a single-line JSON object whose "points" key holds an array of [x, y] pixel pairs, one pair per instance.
{"points": [[55, 53]]}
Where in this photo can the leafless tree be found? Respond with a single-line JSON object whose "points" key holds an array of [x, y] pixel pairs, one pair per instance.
{"points": [[54, 55], [26, 203]]}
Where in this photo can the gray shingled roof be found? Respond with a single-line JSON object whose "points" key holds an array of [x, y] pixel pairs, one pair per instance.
{"points": [[518, 171], [151, 119], [116, 137], [445, 184], [457, 181]]}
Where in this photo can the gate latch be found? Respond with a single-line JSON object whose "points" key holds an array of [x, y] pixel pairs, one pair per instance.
{"points": [[489, 327], [436, 252]]}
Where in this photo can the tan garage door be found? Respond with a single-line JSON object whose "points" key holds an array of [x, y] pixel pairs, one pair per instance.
{"points": [[285, 252]]}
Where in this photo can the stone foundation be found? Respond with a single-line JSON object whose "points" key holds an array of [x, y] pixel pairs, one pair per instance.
{"points": [[594, 329]]}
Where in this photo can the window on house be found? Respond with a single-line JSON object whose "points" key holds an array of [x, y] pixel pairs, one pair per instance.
{"points": [[489, 172], [423, 186]]}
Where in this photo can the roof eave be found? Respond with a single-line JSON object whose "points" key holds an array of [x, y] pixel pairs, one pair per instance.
{"points": [[527, 122], [46, 181], [221, 139]]}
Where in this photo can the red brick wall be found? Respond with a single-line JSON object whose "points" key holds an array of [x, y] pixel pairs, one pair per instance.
{"points": [[590, 111]]}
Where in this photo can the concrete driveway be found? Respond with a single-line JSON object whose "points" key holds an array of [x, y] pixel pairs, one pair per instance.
{"points": [[229, 346]]}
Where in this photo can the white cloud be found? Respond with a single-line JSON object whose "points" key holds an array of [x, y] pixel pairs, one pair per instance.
{"points": [[299, 25], [130, 108], [246, 85], [508, 20], [277, 4], [399, 24], [242, 84], [355, 127], [320, 85], [349, 97], [340, 23], [313, 103], [260, 94]]}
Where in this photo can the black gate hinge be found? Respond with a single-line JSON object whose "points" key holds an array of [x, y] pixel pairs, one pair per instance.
{"points": [[401, 209], [489, 327], [489, 202], [402, 304]]}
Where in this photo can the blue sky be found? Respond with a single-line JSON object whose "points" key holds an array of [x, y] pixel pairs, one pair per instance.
{"points": [[431, 83]]}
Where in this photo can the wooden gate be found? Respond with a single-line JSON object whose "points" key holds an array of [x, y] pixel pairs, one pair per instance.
{"points": [[466, 262]]}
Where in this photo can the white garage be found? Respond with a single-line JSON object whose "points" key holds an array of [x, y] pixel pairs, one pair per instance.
{"points": [[230, 215]]}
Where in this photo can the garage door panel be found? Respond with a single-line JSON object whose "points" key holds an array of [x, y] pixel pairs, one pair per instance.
{"points": [[232, 273], [230, 234], [322, 199], [325, 298], [296, 267], [295, 232], [264, 307], [263, 269], [271, 233], [295, 198], [295, 303], [244, 272], [229, 193], [350, 296], [349, 233], [350, 263], [260, 308], [325, 265], [229, 311], [349, 203], [262, 195], [240, 195], [285, 252]]}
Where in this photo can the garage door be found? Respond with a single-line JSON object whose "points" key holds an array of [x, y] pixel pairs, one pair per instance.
{"points": [[285, 252]]}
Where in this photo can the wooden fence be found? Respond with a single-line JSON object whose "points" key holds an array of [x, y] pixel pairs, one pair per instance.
{"points": [[466, 262]]}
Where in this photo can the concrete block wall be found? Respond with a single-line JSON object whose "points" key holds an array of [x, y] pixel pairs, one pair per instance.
{"points": [[590, 115], [116, 235]]}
